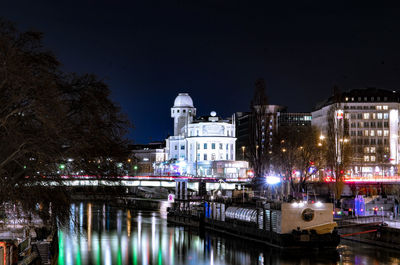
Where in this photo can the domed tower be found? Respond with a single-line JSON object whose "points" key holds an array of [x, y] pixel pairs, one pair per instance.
{"points": [[183, 112]]}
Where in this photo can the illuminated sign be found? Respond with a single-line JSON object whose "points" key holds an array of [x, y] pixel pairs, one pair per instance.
{"points": [[171, 197]]}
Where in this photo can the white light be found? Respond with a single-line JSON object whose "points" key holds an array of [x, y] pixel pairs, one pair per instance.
{"points": [[295, 204], [301, 204], [318, 204], [272, 180]]}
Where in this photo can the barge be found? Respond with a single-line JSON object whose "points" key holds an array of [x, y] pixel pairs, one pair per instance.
{"points": [[279, 224]]}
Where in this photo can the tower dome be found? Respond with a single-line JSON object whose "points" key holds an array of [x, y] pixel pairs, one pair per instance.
{"points": [[183, 100]]}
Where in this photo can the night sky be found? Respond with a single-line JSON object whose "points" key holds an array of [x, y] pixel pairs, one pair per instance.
{"points": [[149, 51]]}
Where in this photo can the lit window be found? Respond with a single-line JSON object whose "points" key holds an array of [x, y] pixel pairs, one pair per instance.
{"points": [[347, 99], [372, 158], [379, 115], [366, 116], [385, 107], [365, 132], [372, 149], [212, 156], [366, 158], [385, 116], [372, 133], [374, 116], [385, 133], [366, 150]]}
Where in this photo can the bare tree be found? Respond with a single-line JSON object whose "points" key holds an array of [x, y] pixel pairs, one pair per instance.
{"points": [[51, 123], [298, 149], [258, 150], [338, 152]]}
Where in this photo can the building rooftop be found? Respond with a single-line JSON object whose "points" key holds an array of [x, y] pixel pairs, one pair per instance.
{"points": [[361, 95]]}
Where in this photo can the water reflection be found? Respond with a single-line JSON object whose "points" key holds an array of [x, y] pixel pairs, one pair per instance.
{"points": [[101, 234]]}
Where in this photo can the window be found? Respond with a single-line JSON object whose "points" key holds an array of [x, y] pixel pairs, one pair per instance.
{"points": [[359, 116], [373, 116], [387, 149], [198, 146], [379, 141], [184, 111], [366, 116], [365, 99], [182, 147], [353, 125], [385, 141], [205, 157], [373, 124], [385, 107], [177, 111], [373, 141], [372, 149], [227, 156], [385, 116], [372, 133], [379, 124], [366, 124], [379, 132], [347, 99], [197, 132], [227, 146], [366, 141], [359, 133], [191, 146], [205, 146], [366, 150], [379, 116], [176, 147], [198, 157], [385, 132], [359, 141], [353, 116], [212, 156], [379, 107], [372, 158], [213, 146], [366, 158], [221, 146], [365, 132], [353, 133], [386, 124]]}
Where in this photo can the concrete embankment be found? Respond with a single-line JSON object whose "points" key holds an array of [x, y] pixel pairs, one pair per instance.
{"points": [[373, 234]]}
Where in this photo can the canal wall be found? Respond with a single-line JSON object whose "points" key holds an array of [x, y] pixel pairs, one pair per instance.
{"points": [[378, 235]]}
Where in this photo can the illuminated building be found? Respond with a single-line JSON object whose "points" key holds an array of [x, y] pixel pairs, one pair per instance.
{"points": [[145, 155], [199, 143], [369, 123]]}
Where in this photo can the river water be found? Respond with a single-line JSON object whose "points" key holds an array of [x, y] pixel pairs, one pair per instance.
{"points": [[101, 234]]}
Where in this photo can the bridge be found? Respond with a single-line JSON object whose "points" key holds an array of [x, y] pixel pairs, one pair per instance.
{"points": [[143, 181]]}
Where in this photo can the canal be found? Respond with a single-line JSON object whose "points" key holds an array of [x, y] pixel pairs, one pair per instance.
{"points": [[101, 234]]}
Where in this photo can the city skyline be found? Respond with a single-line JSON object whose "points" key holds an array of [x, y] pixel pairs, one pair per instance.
{"points": [[149, 52]]}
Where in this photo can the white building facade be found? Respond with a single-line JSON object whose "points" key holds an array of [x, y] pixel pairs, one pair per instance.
{"points": [[199, 143], [372, 128]]}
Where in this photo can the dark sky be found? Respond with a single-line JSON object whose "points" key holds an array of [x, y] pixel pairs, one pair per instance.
{"points": [[148, 51]]}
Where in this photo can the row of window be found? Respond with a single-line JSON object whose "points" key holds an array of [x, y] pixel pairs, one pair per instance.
{"points": [[228, 133], [378, 107], [367, 116], [371, 124], [177, 111], [205, 146], [372, 149], [369, 158], [370, 133], [365, 99], [213, 157], [367, 141]]}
